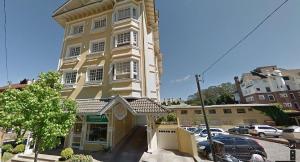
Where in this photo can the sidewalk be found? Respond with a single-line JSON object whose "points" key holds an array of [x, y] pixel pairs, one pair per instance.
{"points": [[166, 155]]}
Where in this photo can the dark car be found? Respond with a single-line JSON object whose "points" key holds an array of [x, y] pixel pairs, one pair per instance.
{"points": [[239, 147], [242, 129]]}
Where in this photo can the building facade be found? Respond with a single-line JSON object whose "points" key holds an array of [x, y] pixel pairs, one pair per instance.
{"points": [[111, 65], [224, 116], [270, 84]]}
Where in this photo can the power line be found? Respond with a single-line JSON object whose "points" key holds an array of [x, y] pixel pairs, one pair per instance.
{"points": [[5, 40], [243, 39]]}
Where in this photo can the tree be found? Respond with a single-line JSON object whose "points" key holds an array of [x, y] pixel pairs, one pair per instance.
{"points": [[221, 94], [42, 109]]}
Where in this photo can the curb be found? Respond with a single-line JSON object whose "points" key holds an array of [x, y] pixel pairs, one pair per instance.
{"points": [[267, 139]]}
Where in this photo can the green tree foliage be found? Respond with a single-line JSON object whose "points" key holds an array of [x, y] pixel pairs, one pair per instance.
{"points": [[214, 95], [277, 114], [40, 109]]}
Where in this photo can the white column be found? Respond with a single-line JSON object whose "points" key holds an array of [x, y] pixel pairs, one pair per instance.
{"points": [[131, 69]]}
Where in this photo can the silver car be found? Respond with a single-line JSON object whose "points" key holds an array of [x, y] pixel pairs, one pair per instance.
{"points": [[292, 133], [264, 130]]}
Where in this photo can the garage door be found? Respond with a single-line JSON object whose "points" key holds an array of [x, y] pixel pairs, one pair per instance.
{"points": [[141, 120], [167, 139]]}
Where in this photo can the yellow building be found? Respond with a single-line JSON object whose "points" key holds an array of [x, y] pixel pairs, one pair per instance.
{"points": [[224, 116], [111, 65]]}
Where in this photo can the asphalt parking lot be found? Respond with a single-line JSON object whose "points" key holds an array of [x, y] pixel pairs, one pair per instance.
{"points": [[275, 151]]}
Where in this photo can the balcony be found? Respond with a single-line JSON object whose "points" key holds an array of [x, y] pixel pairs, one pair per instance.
{"points": [[93, 56], [71, 60]]}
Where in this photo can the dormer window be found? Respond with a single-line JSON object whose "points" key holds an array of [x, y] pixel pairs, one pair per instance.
{"points": [[77, 29], [125, 13]]}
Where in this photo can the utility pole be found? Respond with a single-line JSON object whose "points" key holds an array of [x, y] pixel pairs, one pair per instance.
{"points": [[205, 119]]}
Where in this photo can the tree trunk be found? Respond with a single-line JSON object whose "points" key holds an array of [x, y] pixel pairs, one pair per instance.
{"points": [[36, 150]]}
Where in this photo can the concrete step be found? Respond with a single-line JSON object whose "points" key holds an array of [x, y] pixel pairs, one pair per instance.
{"points": [[30, 158]]}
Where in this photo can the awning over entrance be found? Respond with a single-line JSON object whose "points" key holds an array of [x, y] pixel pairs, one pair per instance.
{"points": [[136, 106]]}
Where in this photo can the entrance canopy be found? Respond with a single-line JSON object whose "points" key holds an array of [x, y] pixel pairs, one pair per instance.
{"points": [[137, 106]]}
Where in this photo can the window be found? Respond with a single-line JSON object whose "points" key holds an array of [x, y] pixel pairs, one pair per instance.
{"points": [[292, 95], [125, 13], [271, 98], [99, 23], [95, 75], [283, 95], [258, 89], [213, 111], [249, 99], [70, 77], [261, 97], [77, 29], [126, 38], [268, 89], [227, 111], [122, 70], [97, 46], [240, 111], [287, 105], [97, 132], [74, 51], [183, 112], [197, 112]]}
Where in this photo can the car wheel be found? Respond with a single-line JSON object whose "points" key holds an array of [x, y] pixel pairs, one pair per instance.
{"points": [[261, 135], [210, 156]]}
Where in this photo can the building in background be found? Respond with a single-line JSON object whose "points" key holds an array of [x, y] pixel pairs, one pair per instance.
{"points": [[270, 84], [22, 84], [111, 65]]}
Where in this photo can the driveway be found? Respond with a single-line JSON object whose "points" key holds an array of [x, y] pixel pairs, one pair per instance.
{"points": [[132, 148]]}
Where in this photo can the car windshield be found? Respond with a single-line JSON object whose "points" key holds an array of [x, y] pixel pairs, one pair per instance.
{"points": [[198, 131]]}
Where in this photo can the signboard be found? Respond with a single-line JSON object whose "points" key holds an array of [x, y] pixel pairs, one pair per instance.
{"points": [[97, 118]]}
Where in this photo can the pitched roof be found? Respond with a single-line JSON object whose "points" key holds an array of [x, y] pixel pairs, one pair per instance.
{"points": [[90, 105], [146, 105], [135, 105], [13, 86]]}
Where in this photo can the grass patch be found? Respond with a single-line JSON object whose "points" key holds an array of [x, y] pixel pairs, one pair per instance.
{"points": [[7, 156]]}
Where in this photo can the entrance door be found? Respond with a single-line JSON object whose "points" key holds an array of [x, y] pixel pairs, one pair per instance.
{"points": [[76, 136], [140, 120], [167, 138]]}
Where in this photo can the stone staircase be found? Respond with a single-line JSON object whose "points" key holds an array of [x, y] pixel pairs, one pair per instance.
{"points": [[30, 158]]}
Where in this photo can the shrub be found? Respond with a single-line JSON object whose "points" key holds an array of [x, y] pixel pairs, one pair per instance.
{"points": [[67, 153], [7, 148], [7, 156], [19, 149], [81, 158]]}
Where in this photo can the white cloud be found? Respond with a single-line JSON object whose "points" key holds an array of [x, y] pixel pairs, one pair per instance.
{"points": [[179, 80]]}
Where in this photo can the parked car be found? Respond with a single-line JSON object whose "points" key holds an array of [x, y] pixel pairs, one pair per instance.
{"points": [[239, 147], [292, 133], [190, 129], [264, 130], [242, 129], [213, 131]]}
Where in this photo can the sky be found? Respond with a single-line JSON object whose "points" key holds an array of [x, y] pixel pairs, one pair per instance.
{"points": [[193, 33]]}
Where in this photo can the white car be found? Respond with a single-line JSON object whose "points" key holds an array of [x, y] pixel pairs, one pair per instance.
{"points": [[264, 130], [190, 129], [292, 133], [213, 131]]}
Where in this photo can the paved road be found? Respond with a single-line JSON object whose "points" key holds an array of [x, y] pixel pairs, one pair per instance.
{"points": [[278, 152]]}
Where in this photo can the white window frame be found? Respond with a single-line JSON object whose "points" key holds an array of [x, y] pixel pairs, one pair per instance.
{"points": [[100, 18], [64, 78], [67, 54], [273, 98], [283, 95], [98, 41], [115, 15], [132, 75], [87, 78], [72, 26], [132, 40]]}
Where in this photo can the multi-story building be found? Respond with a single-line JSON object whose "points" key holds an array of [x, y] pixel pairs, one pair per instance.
{"points": [[270, 84], [111, 65]]}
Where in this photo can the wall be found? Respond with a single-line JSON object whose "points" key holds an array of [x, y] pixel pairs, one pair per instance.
{"points": [[221, 119], [187, 143]]}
